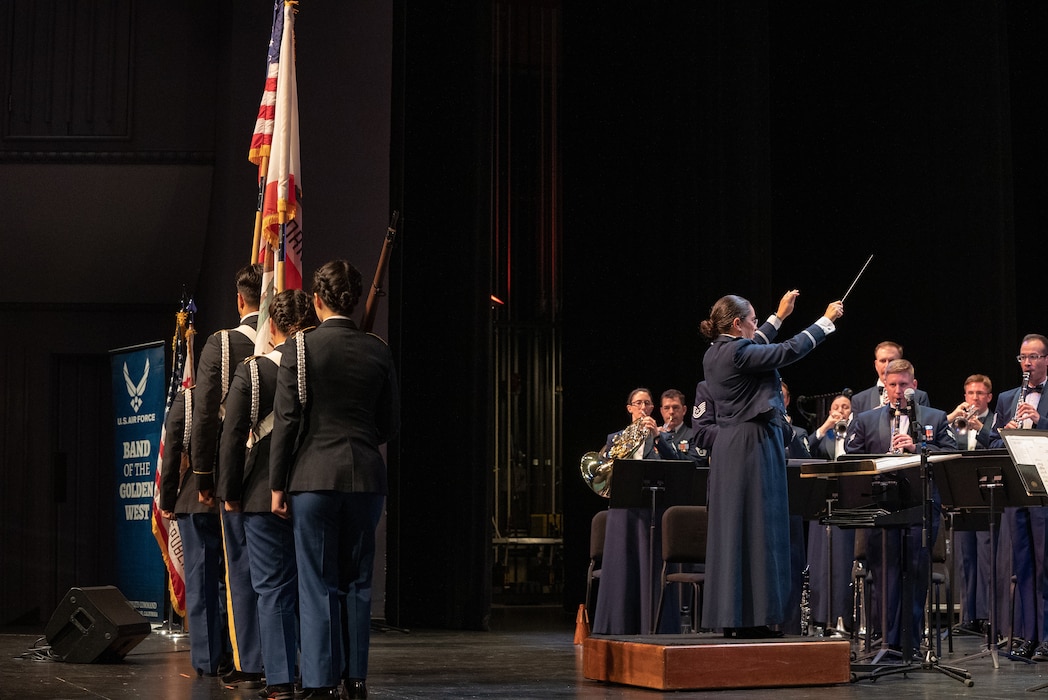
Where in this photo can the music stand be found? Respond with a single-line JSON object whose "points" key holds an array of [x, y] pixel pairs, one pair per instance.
{"points": [[930, 662], [812, 499], [984, 482], [1028, 450], [901, 513], [636, 483]]}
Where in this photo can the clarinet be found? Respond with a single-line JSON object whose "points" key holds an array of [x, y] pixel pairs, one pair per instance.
{"points": [[1024, 389], [806, 601]]}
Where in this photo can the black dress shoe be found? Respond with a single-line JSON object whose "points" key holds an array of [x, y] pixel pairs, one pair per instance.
{"points": [[1041, 652], [225, 665], [1024, 650], [729, 632], [243, 679], [281, 691], [321, 693], [356, 689]]}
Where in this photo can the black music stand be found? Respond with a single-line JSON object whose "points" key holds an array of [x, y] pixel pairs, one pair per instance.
{"points": [[812, 499], [636, 484], [856, 493], [901, 513], [930, 662], [984, 482], [1028, 450]]}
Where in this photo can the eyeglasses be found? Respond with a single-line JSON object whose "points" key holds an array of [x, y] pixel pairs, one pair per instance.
{"points": [[1031, 358], [641, 403]]}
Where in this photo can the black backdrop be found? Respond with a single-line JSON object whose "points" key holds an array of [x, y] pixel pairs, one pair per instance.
{"points": [[753, 147]]}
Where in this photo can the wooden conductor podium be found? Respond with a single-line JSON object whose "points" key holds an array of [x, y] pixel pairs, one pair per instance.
{"points": [[711, 662], [703, 661]]}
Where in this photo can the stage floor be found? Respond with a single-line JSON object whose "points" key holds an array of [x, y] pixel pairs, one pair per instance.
{"points": [[530, 655]]}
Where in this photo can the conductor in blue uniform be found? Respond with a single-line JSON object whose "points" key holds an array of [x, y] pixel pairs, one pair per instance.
{"points": [[748, 555]]}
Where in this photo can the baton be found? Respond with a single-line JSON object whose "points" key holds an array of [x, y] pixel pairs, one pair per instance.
{"points": [[857, 278]]}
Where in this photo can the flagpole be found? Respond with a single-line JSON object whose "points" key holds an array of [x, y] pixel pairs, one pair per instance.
{"points": [[279, 271], [263, 167]]}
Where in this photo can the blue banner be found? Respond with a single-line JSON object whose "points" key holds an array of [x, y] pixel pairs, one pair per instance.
{"points": [[139, 384]]}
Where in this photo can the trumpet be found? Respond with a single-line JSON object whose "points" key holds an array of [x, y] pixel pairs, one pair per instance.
{"points": [[960, 423], [840, 428]]}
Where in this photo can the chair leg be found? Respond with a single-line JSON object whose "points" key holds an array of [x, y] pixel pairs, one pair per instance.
{"points": [[938, 621], [696, 618], [1011, 614], [949, 619], [662, 596], [589, 588]]}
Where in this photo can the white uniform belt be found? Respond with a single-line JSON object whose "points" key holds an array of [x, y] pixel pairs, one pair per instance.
{"points": [[264, 428]]}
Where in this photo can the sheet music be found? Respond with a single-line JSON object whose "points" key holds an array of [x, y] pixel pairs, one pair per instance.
{"points": [[1029, 448], [871, 465]]}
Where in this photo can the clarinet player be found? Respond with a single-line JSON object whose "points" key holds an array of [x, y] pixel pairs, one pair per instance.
{"points": [[1025, 407]]}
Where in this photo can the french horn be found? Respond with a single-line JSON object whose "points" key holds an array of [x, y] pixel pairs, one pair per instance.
{"points": [[596, 468]]}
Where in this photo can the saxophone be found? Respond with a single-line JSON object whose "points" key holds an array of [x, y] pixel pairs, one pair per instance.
{"points": [[596, 468]]}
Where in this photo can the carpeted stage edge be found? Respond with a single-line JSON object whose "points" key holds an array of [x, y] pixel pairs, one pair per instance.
{"points": [[708, 662]]}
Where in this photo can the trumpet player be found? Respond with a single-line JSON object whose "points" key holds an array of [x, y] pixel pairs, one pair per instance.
{"points": [[971, 423], [828, 443], [971, 420], [676, 439], [1026, 406]]}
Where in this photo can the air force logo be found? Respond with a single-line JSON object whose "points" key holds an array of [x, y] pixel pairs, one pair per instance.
{"points": [[135, 391]]}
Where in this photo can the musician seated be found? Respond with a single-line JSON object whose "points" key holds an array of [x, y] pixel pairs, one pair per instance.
{"points": [[972, 424], [676, 439], [886, 429], [831, 601], [639, 406], [625, 595]]}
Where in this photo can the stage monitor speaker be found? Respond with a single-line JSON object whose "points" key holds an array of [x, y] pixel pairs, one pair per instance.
{"points": [[95, 625]]}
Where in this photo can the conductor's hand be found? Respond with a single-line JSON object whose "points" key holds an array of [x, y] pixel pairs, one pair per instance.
{"points": [[786, 303], [835, 310]]}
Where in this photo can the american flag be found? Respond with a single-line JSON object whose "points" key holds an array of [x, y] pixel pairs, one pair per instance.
{"points": [[281, 253], [166, 532], [262, 139]]}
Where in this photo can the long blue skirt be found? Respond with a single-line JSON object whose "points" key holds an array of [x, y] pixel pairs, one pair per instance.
{"points": [[748, 550]]}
